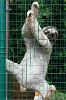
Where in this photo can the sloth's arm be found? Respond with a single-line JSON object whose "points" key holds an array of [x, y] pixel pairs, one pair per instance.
{"points": [[37, 31]]}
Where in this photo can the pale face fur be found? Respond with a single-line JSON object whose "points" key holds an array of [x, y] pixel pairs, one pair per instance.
{"points": [[51, 32]]}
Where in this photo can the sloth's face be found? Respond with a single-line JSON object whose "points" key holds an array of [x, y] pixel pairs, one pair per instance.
{"points": [[51, 33]]}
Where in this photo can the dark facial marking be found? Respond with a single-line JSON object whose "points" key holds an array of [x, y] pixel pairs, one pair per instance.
{"points": [[47, 32]]}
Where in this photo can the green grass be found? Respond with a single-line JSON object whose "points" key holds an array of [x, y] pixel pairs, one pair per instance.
{"points": [[58, 96]]}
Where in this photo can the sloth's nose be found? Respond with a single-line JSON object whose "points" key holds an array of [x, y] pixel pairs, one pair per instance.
{"points": [[52, 34]]}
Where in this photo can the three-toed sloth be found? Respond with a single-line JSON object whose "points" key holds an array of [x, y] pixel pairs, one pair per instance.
{"points": [[31, 72]]}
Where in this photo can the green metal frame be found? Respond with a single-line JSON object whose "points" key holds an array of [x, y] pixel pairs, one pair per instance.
{"points": [[2, 50]]}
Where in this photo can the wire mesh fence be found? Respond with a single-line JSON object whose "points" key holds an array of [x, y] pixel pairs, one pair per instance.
{"points": [[51, 13]]}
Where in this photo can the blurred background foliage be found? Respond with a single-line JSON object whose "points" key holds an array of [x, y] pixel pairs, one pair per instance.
{"points": [[51, 13]]}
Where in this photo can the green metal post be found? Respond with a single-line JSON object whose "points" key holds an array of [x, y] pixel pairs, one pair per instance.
{"points": [[2, 50]]}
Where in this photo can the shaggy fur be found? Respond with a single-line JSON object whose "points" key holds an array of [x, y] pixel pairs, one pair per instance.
{"points": [[31, 72]]}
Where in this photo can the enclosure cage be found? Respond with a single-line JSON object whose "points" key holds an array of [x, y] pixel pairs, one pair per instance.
{"points": [[13, 14]]}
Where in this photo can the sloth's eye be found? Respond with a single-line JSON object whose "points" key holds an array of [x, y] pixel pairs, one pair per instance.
{"points": [[56, 34], [47, 32]]}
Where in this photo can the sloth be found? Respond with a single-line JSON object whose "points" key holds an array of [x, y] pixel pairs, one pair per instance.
{"points": [[32, 70]]}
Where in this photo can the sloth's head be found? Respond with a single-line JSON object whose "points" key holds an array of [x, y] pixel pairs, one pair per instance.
{"points": [[51, 32]]}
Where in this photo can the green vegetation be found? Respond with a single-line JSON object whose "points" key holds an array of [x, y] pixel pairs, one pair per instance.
{"points": [[58, 96], [53, 13]]}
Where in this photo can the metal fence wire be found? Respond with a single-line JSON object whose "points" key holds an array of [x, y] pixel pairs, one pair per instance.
{"points": [[51, 14]]}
